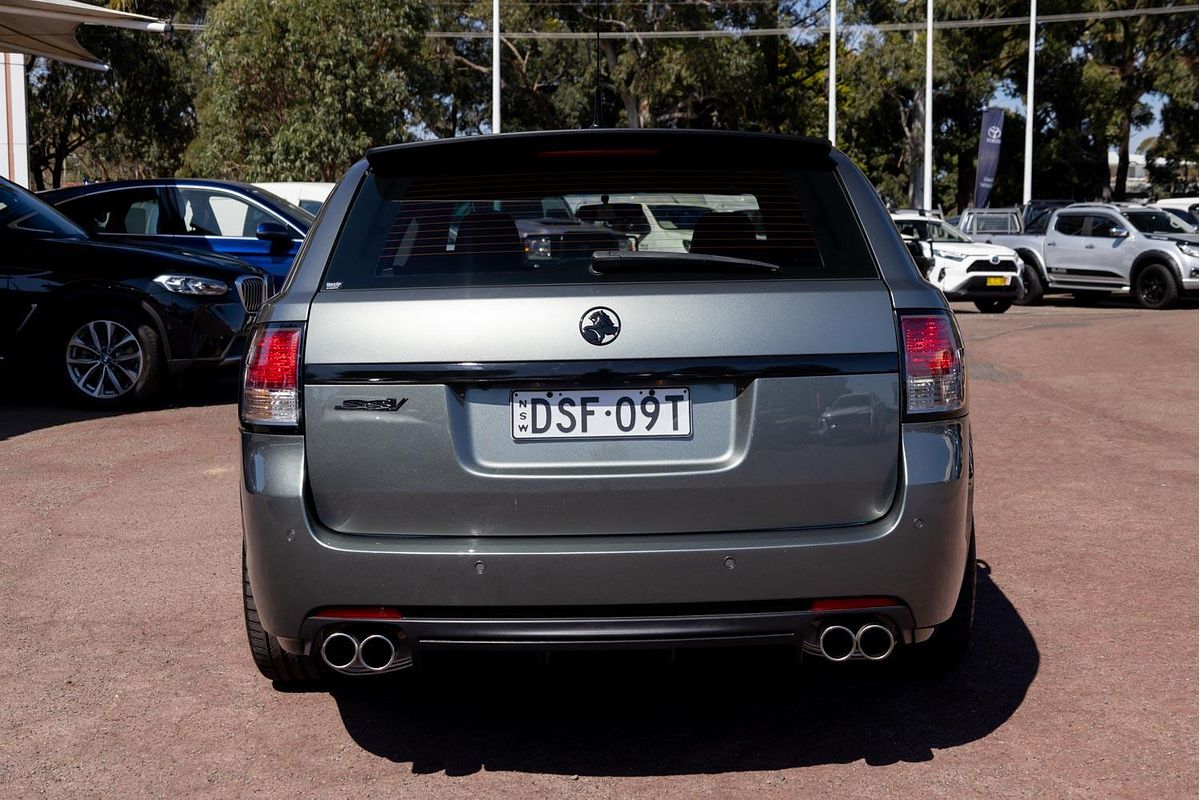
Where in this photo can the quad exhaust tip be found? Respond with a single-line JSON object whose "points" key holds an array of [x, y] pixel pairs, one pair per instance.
{"points": [[872, 641], [345, 653], [377, 652], [339, 651], [875, 642], [837, 642]]}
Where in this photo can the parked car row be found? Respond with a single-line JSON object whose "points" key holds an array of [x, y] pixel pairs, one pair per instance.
{"points": [[110, 320], [1093, 249]]}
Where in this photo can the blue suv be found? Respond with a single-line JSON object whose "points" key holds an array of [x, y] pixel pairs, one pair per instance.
{"points": [[225, 217]]}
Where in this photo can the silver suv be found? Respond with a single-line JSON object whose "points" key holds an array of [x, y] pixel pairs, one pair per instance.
{"points": [[451, 442]]}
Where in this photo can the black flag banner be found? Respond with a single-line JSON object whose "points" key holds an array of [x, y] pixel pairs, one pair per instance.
{"points": [[989, 154]]}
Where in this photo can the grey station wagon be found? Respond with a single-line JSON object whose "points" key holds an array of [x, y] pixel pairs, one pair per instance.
{"points": [[457, 436]]}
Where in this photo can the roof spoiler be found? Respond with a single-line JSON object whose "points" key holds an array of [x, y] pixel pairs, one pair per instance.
{"points": [[697, 148]]}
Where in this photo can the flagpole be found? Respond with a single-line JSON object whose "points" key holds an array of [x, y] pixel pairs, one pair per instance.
{"points": [[927, 197], [1029, 103], [833, 71], [495, 66]]}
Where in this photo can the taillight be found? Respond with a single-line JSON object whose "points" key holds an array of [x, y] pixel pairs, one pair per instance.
{"points": [[933, 368], [271, 384]]}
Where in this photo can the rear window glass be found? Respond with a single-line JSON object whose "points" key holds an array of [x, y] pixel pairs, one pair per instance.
{"points": [[546, 227]]}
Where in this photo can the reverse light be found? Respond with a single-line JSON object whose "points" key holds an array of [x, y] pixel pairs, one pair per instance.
{"points": [[190, 284], [271, 383], [933, 367]]}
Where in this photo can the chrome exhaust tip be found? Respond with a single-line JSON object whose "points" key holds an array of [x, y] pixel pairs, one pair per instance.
{"points": [[875, 642], [339, 650], [377, 652], [837, 643]]}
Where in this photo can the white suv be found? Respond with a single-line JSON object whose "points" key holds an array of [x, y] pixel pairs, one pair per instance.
{"points": [[988, 274]]}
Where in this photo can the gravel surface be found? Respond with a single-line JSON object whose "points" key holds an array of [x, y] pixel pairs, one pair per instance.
{"points": [[126, 671]]}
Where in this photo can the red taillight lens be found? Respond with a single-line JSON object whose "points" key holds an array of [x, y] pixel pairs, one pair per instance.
{"points": [[271, 385], [359, 612], [933, 367], [852, 603]]}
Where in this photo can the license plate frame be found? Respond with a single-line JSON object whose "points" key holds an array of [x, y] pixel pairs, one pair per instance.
{"points": [[609, 413]]}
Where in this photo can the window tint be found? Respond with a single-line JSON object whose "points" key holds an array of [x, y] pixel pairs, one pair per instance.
{"points": [[993, 224], [1157, 222], [476, 229], [1099, 225], [1070, 224], [127, 211], [31, 216], [212, 213], [683, 218]]}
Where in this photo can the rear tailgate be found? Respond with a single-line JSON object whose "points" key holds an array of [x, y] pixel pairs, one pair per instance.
{"points": [[415, 385]]}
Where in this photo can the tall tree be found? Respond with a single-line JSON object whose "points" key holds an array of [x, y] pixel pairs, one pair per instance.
{"points": [[298, 89], [135, 119]]}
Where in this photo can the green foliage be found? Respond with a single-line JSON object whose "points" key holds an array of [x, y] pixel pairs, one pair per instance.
{"points": [[298, 89], [133, 120]]}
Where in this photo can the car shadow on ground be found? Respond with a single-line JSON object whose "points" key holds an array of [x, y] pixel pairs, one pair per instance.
{"points": [[705, 712], [18, 417], [1123, 302]]}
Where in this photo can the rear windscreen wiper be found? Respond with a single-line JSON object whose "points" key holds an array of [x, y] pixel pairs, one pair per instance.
{"points": [[623, 262]]}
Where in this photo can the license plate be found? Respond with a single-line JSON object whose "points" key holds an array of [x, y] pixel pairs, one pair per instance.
{"points": [[602, 414], [997, 280]]}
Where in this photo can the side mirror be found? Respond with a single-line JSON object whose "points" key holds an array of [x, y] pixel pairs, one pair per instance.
{"points": [[1117, 232], [273, 232]]}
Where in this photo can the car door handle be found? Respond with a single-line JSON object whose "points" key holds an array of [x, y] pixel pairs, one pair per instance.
{"points": [[1051, 244], [1089, 247]]}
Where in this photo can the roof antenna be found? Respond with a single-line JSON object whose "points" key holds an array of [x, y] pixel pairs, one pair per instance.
{"points": [[596, 111]]}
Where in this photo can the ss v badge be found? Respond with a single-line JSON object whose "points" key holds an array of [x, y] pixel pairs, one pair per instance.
{"points": [[386, 404]]}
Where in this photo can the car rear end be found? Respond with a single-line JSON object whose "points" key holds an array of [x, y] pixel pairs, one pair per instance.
{"points": [[448, 444]]}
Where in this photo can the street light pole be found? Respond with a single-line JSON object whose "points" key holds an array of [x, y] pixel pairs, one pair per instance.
{"points": [[928, 187], [833, 71], [1028, 193], [495, 66]]}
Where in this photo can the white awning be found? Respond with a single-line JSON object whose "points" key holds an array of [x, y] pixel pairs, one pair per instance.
{"points": [[47, 28]]}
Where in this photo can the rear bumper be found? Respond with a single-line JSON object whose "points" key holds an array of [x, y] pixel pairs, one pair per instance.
{"points": [[623, 590]]}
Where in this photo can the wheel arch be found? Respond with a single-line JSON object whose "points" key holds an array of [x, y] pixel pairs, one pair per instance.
{"points": [[1150, 258], [73, 300], [1033, 259]]}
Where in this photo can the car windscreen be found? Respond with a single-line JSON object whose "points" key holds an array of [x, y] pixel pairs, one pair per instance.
{"points": [[468, 228], [21, 212]]}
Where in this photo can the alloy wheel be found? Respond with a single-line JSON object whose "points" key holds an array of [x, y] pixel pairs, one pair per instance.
{"points": [[1152, 288], [104, 359]]}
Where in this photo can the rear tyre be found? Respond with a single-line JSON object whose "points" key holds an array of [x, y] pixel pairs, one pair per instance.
{"points": [[273, 661], [993, 306], [1089, 298], [109, 359], [1156, 288], [943, 651], [1034, 290]]}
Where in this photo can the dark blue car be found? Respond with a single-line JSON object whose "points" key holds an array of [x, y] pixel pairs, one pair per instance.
{"points": [[234, 219]]}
